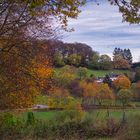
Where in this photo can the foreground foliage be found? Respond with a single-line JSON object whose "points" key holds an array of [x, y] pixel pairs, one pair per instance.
{"points": [[70, 124]]}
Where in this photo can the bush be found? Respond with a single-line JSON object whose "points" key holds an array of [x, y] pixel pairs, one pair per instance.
{"points": [[64, 103], [12, 127], [30, 118]]}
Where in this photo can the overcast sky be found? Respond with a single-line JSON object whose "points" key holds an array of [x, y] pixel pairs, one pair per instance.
{"points": [[101, 27]]}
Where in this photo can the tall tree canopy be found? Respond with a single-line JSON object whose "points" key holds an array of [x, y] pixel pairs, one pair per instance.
{"points": [[33, 17], [25, 66], [24, 73]]}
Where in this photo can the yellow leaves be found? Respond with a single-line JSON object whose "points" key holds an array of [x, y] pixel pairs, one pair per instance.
{"points": [[105, 92], [68, 103]]}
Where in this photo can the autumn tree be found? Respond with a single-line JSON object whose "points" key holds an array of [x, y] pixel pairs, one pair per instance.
{"points": [[120, 63], [122, 58], [89, 91], [25, 72], [122, 82], [25, 66], [104, 92], [58, 92], [96, 92]]}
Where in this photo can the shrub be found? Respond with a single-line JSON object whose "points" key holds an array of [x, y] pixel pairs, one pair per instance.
{"points": [[64, 103], [124, 95], [30, 118]]}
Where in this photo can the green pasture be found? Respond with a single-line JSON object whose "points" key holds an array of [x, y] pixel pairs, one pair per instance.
{"points": [[96, 114], [98, 73]]}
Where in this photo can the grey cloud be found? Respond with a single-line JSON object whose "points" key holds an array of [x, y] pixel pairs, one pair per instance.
{"points": [[101, 27]]}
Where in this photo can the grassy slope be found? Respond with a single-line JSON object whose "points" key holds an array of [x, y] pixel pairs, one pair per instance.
{"points": [[99, 73]]}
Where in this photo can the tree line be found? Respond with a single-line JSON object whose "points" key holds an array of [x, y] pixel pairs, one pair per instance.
{"points": [[79, 54]]}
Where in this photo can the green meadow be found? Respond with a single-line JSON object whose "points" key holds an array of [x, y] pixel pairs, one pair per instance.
{"points": [[97, 73]]}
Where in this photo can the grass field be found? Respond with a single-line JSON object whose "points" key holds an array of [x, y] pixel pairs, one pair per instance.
{"points": [[102, 73], [99, 114], [99, 73], [94, 125]]}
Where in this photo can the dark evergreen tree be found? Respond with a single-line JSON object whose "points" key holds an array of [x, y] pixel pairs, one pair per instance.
{"points": [[128, 56], [117, 51], [107, 80]]}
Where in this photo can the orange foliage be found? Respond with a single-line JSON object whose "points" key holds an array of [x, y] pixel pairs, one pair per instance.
{"points": [[25, 72], [122, 82], [96, 90], [59, 92], [89, 89]]}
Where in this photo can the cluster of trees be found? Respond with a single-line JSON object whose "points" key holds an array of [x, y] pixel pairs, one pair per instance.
{"points": [[122, 59], [79, 85], [89, 89], [25, 65], [25, 59], [78, 54], [25, 71]]}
